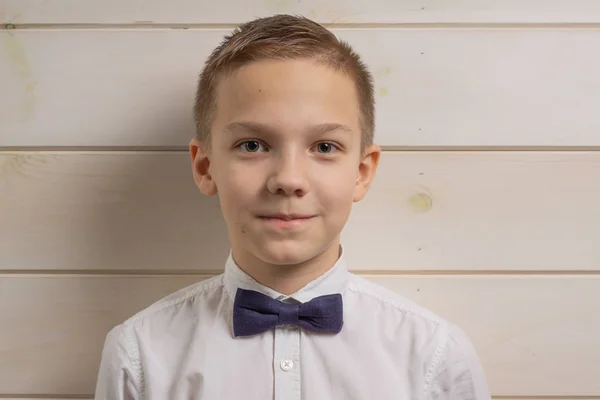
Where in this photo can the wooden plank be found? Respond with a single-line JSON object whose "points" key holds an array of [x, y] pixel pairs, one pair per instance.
{"points": [[430, 211], [328, 11], [527, 329], [435, 87]]}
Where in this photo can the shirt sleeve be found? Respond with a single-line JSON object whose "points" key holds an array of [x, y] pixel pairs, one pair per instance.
{"points": [[117, 377], [457, 373]]}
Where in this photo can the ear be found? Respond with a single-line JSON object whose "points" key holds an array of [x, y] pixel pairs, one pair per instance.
{"points": [[201, 168], [366, 171]]}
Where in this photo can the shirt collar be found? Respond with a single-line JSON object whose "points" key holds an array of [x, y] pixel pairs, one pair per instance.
{"points": [[332, 281]]}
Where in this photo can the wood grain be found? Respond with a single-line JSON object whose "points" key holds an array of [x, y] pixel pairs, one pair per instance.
{"points": [[527, 330], [469, 88], [452, 211], [329, 11]]}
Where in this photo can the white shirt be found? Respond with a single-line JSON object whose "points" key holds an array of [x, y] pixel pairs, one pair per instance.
{"points": [[183, 347]]}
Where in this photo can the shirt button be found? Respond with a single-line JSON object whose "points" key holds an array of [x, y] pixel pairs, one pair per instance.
{"points": [[287, 365]]}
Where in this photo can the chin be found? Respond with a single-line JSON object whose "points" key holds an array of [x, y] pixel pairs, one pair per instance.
{"points": [[286, 253]]}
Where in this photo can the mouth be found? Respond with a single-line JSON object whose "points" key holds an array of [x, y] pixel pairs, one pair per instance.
{"points": [[287, 221]]}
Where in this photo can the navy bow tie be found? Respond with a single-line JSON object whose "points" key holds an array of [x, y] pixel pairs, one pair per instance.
{"points": [[254, 312]]}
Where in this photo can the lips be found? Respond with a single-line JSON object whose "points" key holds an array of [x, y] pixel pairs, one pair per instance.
{"points": [[286, 221], [287, 217]]}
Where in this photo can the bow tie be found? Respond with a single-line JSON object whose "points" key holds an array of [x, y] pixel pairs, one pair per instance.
{"points": [[254, 312]]}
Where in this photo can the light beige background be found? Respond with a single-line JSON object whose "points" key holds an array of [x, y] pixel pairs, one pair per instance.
{"points": [[486, 207]]}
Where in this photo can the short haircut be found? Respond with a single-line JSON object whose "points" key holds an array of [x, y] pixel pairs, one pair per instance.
{"points": [[282, 37]]}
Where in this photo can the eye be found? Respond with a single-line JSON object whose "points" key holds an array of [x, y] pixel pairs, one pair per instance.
{"points": [[250, 146], [326, 147]]}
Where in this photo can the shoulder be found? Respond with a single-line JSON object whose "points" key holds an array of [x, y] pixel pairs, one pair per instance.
{"points": [[176, 299], [375, 293], [169, 307], [179, 311], [390, 311], [446, 350]]}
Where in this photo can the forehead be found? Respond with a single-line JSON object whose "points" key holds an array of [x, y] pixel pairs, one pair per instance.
{"points": [[290, 94]]}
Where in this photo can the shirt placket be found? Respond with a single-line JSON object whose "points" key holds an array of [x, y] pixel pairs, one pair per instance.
{"points": [[286, 363]]}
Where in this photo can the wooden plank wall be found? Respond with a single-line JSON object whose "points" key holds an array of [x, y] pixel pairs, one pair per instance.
{"points": [[486, 204]]}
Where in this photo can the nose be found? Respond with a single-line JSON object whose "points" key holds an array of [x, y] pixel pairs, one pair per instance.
{"points": [[289, 175]]}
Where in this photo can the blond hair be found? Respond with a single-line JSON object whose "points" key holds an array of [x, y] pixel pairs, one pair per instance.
{"points": [[282, 37]]}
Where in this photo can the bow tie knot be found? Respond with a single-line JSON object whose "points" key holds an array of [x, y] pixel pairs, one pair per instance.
{"points": [[254, 312], [289, 314]]}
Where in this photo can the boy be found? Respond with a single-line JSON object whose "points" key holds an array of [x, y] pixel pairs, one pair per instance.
{"points": [[285, 122]]}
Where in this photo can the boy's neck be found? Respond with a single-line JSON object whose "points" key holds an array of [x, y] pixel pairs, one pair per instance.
{"points": [[287, 279]]}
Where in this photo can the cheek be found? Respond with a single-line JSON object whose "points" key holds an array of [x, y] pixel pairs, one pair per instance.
{"points": [[336, 190], [236, 191], [237, 181]]}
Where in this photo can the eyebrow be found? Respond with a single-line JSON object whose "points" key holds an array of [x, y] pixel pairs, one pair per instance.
{"points": [[256, 127]]}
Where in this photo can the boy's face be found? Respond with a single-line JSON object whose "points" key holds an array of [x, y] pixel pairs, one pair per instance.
{"points": [[285, 159]]}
